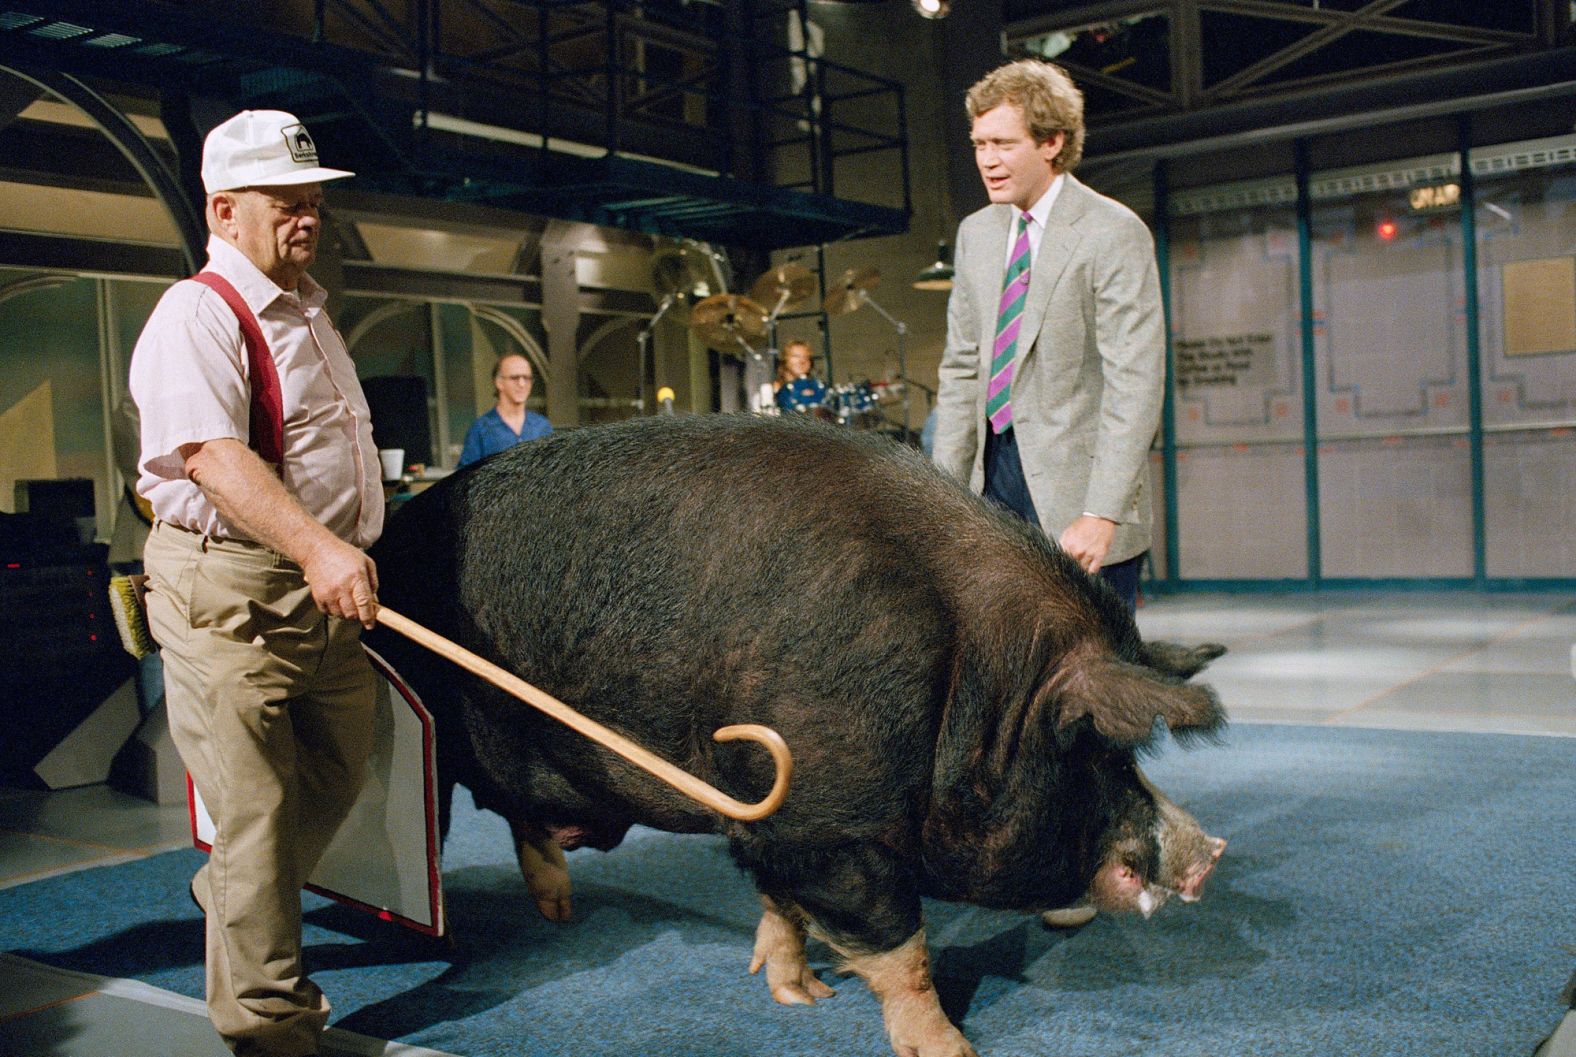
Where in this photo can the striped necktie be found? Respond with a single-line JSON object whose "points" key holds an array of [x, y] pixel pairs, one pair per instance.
{"points": [[1009, 316]]}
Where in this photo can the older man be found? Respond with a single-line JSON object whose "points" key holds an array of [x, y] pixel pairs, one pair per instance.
{"points": [[257, 457], [1053, 374]]}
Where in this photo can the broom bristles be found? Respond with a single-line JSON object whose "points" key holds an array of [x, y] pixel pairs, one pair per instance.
{"points": [[131, 619]]}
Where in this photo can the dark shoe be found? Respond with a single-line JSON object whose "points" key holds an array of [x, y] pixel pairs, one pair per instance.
{"points": [[191, 889]]}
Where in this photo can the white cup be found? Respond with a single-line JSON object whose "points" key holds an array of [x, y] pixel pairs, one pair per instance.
{"points": [[393, 460]]}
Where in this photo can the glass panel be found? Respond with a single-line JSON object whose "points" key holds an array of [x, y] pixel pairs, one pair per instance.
{"points": [[130, 303], [1400, 506], [609, 369], [387, 337], [1526, 236], [1251, 498], [51, 387], [1390, 345], [1530, 503], [1238, 394], [1392, 395], [1157, 497], [467, 377], [391, 340], [133, 303]]}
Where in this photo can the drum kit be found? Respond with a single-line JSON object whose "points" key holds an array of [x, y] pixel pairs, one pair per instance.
{"points": [[689, 276]]}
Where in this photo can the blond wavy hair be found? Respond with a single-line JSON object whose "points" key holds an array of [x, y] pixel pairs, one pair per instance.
{"points": [[1050, 102], [784, 374]]}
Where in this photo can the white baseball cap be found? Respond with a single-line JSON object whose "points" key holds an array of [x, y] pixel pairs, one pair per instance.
{"points": [[262, 148]]}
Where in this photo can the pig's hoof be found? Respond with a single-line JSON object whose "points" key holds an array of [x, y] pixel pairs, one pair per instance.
{"points": [[941, 1043], [555, 909], [546, 875], [779, 946], [790, 984], [1069, 917], [550, 888], [801, 992]]}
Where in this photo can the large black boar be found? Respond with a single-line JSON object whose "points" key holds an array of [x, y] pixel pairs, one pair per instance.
{"points": [[964, 705]]}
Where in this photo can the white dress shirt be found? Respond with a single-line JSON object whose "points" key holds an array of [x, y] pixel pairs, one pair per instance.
{"points": [[1039, 212]]}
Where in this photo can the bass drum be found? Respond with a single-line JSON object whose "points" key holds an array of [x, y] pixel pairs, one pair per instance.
{"points": [[803, 394], [856, 405]]}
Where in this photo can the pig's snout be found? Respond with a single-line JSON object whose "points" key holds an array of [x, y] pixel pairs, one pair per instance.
{"points": [[1192, 888]]}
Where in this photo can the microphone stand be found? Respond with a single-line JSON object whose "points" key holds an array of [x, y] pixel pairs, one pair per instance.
{"points": [[644, 340], [902, 366], [770, 356]]}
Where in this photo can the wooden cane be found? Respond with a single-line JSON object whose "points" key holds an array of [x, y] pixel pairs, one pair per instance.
{"points": [[683, 781]]}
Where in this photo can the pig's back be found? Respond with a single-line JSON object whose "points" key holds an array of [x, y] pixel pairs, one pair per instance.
{"points": [[670, 576]]}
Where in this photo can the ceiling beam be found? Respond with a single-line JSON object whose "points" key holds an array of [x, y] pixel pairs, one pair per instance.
{"points": [[1347, 22], [84, 256], [1503, 81], [1406, 27], [1088, 75], [1087, 15]]}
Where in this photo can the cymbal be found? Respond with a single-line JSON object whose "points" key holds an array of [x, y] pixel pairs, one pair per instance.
{"points": [[851, 291], [729, 323], [687, 271], [792, 283]]}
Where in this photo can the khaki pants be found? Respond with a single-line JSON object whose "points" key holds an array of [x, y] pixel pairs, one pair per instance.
{"points": [[270, 704]]}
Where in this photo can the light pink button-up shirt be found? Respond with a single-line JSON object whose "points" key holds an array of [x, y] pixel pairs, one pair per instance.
{"points": [[189, 378]]}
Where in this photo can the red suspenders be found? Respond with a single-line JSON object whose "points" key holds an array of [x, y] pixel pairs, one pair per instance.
{"points": [[268, 414]]}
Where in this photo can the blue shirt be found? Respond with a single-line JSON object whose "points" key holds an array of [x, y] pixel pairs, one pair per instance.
{"points": [[490, 434]]}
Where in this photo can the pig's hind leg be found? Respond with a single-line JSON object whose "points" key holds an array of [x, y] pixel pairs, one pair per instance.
{"points": [[779, 946], [544, 868]]}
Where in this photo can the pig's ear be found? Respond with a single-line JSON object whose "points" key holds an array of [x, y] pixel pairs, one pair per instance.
{"points": [[1123, 701], [1182, 661]]}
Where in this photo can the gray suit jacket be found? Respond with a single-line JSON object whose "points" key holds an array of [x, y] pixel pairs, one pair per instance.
{"points": [[1090, 367]]}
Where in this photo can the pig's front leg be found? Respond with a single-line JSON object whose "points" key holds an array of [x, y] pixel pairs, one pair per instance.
{"points": [[779, 946], [544, 868], [915, 1022], [864, 904]]}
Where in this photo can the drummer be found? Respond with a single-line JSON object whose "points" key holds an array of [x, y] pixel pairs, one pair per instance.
{"points": [[796, 388]]}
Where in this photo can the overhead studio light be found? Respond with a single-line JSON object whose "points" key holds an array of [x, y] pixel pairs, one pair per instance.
{"points": [[939, 275], [932, 8]]}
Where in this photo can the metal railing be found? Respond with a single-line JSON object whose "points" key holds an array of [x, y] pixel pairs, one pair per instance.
{"points": [[714, 88]]}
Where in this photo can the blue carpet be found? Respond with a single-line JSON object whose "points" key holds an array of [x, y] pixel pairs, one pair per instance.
{"points": [[1384, 893]]}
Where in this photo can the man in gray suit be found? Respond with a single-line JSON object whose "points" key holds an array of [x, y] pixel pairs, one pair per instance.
{"points": [[1053, 374]]}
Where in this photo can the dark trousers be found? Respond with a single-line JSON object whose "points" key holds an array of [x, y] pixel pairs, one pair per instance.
{"points": [[1006, 487]]}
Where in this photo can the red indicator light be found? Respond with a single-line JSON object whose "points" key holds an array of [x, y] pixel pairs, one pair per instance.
{"points": [[1387, 229]]}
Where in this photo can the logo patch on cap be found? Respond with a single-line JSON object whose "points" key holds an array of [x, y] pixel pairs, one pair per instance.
{"points": [[299, 142]]}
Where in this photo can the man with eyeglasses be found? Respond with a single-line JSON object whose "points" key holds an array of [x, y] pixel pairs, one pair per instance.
{"points": [[258, 461], [508, 423]]}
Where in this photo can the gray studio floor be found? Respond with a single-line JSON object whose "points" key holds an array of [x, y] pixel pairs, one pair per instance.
{"points": [[1501, 663]]}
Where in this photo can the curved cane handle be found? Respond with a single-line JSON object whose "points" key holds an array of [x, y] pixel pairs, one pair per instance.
{"points": [[782, 760], [683, 781]]}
